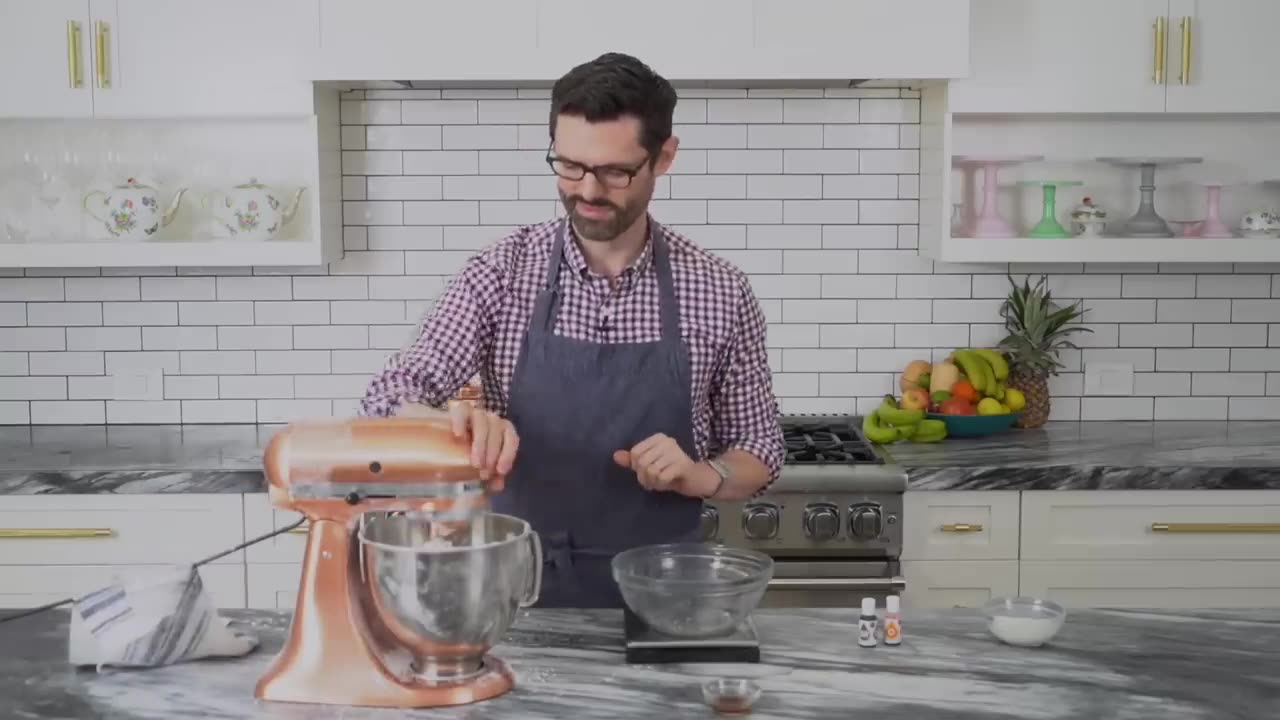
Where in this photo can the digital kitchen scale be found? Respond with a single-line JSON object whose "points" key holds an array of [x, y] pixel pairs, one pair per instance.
{"points": [[648, 646]]}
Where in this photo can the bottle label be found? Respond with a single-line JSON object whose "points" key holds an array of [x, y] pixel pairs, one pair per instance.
{"points": [[867, 633], [892, 633]]}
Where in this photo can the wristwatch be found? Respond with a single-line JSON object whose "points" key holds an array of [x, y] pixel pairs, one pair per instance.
{"points": [[722, 469]]}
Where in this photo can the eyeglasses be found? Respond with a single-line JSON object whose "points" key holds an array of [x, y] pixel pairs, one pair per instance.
{"points": [[614, 176]]}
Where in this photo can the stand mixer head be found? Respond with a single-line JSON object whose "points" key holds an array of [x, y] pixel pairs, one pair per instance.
{"points": [[407, 579]]}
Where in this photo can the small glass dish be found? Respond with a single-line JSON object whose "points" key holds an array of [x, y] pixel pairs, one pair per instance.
{"points": [[1024, 621], [731, 696]]}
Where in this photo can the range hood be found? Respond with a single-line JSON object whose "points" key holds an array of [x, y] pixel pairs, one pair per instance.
{"points": [[859, 43]]}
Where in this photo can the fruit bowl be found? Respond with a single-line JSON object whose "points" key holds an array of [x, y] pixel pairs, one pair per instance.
{"points": [[976, 425]]}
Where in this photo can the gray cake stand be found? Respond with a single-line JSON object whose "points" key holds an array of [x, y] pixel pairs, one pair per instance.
{"points": [[1147, 223]]}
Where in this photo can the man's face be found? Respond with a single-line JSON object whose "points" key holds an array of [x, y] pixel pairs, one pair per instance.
{"points": [[602, 207]]}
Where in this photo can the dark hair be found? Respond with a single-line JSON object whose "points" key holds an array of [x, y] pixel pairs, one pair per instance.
{"points": [[614, 85]]}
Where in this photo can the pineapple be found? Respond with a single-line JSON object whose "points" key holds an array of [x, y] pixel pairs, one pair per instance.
{"points": [[1037, 329]]}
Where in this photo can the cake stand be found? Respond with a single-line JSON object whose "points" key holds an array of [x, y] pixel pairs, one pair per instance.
{"points": [[1049, 227], [1147, 223], [1213, 226], [988, 223]]}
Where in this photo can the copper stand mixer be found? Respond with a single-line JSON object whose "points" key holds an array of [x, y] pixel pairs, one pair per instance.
{"points": [[383, 617]]}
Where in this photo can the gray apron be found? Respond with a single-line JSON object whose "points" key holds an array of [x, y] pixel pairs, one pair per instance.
{"points": [[575, 402]]}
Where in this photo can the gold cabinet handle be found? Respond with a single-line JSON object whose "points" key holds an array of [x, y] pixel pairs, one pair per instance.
{"points": [[962, 528], [33, 533], [73, 55], [103, 70], [1160, 51], [300, 530], [1185, 76], [1215, 527]]}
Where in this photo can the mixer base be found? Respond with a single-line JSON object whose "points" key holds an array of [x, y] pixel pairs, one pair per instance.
{"points": [[378, 690]]}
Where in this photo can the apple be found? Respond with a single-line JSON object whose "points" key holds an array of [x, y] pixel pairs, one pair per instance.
{"points": [[915, 399], [957, 406]]}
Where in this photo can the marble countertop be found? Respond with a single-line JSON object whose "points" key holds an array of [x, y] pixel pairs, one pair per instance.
{"points": [[1162, 665], [1095, 455]]}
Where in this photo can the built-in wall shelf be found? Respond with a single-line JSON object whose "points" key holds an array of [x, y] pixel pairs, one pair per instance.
{"points": [[1109, 250], [213, 253]]}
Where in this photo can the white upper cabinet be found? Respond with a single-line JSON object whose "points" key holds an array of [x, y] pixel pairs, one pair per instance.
{"points": [[45, 66], [1054, 56], [202, 58], [1223, 56], [520, 40], [1135, 56], [157, 58]]}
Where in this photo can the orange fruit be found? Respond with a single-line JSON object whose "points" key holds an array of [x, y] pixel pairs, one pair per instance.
{"points": [[964, 390]]}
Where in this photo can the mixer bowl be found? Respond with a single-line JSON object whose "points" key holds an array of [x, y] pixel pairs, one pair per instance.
{"points": [[692, 590], [448, 598]]}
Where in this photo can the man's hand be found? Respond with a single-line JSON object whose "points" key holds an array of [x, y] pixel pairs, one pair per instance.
{"points": [[493, 441], [658, 461]]}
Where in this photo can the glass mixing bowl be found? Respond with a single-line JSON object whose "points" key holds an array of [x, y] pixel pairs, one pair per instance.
{"points": [[448, 594], [692, 590]]}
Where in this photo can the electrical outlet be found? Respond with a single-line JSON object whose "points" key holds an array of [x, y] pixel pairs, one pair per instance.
{"points": [[1108, 379], [139, 385]]}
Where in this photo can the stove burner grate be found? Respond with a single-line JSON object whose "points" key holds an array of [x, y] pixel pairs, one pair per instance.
{"points": [[826, 444]]}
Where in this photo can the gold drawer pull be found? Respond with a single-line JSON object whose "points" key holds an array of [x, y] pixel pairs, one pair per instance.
{"points": [[1215, 527], [300, 530], [30, 533], [962, 528]]}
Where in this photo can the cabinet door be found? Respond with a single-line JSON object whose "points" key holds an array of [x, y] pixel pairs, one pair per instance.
{"points": [[205, 59], [1088, 56], [957, 583], [466, 41], [44, 59], [1219, 54], [960, 525]]}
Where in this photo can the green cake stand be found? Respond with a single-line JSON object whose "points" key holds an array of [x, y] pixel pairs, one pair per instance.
{"points": [[1049, 227]]}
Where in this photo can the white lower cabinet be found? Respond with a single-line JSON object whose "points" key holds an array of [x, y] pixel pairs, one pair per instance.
{"points": [[57, 546], [957, 583], [1152, 548], [272, 566]]}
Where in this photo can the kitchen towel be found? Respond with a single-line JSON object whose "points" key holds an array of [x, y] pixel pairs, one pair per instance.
{"points": [[151, 618]]}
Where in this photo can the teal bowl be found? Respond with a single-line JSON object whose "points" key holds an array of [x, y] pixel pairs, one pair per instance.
{"points": [[976, 425]]}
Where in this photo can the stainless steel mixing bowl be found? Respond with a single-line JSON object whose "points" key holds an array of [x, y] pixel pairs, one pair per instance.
{"points": [[692, 590], [448, 598]]}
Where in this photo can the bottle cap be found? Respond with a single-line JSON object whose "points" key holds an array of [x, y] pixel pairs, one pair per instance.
{"points": [[891, 603], [868, 606]]}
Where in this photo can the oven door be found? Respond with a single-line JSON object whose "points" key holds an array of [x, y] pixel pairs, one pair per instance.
{"points": [[831, 583]]}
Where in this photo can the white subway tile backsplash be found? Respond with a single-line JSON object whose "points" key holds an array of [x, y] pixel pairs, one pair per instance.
{"points": [[812, 192]]}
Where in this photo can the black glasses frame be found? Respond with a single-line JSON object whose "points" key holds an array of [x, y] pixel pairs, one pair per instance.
{"points": [[629, 172]]}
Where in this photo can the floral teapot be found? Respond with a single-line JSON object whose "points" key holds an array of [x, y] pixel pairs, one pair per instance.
{"points": [[252, 211], [131, 211]]}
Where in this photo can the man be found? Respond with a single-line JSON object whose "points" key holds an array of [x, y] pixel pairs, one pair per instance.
{"points": [[627, 365]]}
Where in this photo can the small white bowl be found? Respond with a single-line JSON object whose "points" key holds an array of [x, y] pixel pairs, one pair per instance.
{"points": [[1024, 621], [731, 696]]}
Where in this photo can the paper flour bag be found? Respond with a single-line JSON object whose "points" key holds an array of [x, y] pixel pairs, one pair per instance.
{"points": [[151, 618]]}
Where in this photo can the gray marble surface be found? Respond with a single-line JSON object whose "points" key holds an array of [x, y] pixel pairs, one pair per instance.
{"points": [[1098, 455], [1166, 665]]}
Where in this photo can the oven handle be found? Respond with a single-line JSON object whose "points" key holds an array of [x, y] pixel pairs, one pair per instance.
{"points": [[896, 582]]}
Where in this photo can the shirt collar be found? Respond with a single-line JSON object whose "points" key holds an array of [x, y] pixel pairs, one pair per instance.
{"points": [[573, 255]]}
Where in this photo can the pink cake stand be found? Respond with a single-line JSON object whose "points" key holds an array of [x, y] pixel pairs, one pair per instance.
{"points": [[988, 223]]}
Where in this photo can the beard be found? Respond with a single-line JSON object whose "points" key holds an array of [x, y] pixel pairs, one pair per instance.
{"points": [[603, 229]]}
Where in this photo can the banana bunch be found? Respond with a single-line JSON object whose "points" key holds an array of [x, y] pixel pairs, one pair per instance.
{"points": [[985, 368], [890, 423]]}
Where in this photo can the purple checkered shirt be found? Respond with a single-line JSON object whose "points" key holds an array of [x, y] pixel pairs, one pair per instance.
{"points": [[480, 321]]}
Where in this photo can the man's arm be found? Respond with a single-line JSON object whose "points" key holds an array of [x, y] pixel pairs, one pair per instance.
{"points": [[448, 350], [744, 417]]}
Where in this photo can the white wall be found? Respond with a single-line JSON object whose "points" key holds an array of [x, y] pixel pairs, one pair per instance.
{"points": [[811, 192]]}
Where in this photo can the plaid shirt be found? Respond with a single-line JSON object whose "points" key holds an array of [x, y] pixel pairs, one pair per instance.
{"points": [[479, 324]]}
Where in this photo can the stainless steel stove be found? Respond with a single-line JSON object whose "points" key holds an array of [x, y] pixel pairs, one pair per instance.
{"points": [[832, 521]]}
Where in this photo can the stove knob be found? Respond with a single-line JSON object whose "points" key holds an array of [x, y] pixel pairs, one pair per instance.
{"points": [[760, 522], [865, 522], [710, 523], [821, 521]]}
